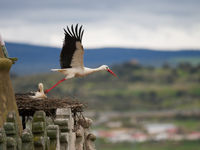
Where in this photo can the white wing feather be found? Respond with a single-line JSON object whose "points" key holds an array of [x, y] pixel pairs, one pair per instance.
{"points": [[77, 59]]}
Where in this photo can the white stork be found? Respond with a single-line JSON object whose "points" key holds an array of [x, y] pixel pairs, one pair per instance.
{"points": [[71, 57], [40, 93]]}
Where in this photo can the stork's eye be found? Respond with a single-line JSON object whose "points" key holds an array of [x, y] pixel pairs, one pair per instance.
{"points": [[107, 67]]}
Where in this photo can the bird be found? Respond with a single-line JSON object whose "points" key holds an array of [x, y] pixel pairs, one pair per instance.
{"points": [[40, 93], [71, 57]]}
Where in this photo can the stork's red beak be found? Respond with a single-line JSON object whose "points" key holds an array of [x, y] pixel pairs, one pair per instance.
{"points": [[112, 72]]}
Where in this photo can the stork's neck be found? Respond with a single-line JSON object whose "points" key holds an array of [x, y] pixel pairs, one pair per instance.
{"points": [[41, 90], [92, 70]]}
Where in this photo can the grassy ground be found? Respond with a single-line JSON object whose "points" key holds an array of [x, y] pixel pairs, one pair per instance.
{"points": [[164, 145], [186, 59], [183, 145], [188, 125]]}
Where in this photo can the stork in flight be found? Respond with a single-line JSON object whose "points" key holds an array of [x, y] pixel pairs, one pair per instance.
{"points": [[71, 57]]}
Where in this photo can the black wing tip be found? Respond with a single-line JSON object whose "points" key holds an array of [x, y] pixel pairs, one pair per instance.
{"points": [[75, 32]]}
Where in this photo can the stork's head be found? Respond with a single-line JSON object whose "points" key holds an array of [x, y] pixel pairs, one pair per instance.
{"points": [[40, 87], [105, 67]]}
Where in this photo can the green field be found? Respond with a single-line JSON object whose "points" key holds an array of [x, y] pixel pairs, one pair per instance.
{"points": [[137, 88], [192, 60], [162, 145], [188, 125]]}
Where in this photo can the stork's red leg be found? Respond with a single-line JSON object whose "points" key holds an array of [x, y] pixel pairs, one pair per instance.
{"points": [[46, 91]]}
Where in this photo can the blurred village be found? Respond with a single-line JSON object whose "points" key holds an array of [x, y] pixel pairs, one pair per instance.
{"points": [[144, 127]]}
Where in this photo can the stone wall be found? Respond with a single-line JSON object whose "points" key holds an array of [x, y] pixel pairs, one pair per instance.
{"points": [[64, 132], [7, 97]]}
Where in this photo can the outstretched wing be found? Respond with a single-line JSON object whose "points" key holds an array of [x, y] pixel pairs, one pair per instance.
{"points": [[72, 52]]}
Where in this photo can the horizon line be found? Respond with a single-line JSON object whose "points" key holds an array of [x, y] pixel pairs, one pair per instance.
{"points": [[103, 47]]}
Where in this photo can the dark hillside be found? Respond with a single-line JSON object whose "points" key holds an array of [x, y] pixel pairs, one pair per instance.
{"points": [[35, 59]]}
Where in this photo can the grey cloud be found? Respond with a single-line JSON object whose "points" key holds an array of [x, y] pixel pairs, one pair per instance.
{"points": [[48, 10], [125, 18]]}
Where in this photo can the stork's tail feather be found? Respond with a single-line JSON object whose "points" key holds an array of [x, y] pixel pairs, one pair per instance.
{"points": [[55, 69], [59, 70]]}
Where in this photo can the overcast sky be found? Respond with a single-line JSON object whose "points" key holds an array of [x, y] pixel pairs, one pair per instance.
{"points": [[156, 24]]}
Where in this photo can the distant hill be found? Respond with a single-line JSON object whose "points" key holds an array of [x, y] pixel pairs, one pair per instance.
{"points": [[35, 59]]}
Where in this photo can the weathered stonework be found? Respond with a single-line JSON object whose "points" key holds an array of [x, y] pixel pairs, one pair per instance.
{"points": [[60, 135], [7, 97]]}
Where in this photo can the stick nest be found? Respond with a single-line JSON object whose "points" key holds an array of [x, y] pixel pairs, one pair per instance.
{"points": [[27, 105]]}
